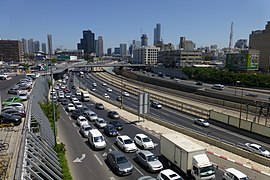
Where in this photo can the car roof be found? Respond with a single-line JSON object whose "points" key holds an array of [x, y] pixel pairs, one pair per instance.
{"points": [[116, 153], [236, 172], [168, 172], [95, 132], [145, 152], [85, 125], [141, 135], [255, 145], [124, 137]]}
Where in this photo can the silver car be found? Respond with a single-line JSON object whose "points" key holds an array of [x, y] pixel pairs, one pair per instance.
{"points": [[119, 163], [149, 160]]}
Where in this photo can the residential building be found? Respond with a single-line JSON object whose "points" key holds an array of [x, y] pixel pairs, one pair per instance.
{"points": [[144, 40], [11, 50], [186, 45], [87, 43], [100, 46], [37, 46], [24, 46], [43, 47], [179, 58], [145, 55], [260, 40], [50, 47], [241, 44], [157, 34], [123, 49], [245, 60]]}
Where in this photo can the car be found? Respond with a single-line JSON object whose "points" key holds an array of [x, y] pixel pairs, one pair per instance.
{"points": [[96, 139], [217, 87], [117, 124], [100, 123], [61, 95], [149, 161], [110, 130], [81, 120], [85, 109], [168, 174], [70, 107], [119, 163], [126, 143], [11, 100], [64, 102], [258, 149], [113, 115], [99, 106], [91, 116], [109, 89], [234, 174], [78, 104], [125, 93], [71, 80], [76, 113], [93, 89], [73, 87], [74, 100], [94, 84], [146, 178], [104, 84], [156, 105], [23, 94], [252, 95], [78, 93], [119, 98], [15, 105], [6, 118], [67, 95], [201, 122], [15, 111], [106, 96], [143, 141], [13, 89], [199, 83]]}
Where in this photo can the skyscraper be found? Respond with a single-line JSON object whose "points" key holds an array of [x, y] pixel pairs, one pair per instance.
{"points": [[37, 46], [144, 40], [50, 48], [100, 46], [31, 46], [87, 43], [96, 47], [43, 47], [109, 51], [136, 44], [123, 49], [24, 46], [157, 32]]}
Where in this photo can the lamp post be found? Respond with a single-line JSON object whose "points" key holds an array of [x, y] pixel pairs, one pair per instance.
{"points": [[53, 104], [241, 107], [236, 82]]}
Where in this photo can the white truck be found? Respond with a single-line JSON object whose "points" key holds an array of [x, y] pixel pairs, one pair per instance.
{"points": [[186, 155], [85, 96]]}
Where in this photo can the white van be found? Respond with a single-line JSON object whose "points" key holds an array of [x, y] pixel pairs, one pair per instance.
{"points": [[234, 174], [96, 139], [218, 87]]}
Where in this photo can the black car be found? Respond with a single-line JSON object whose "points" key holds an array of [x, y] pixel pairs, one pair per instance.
{"points": [[99, 106], [64, 101], [13, 90], [110, 130], [15, 111], [119, 163], [199, 83], [76, 113], [113, 115], [6, 118], [118, 98], [117, 124]]}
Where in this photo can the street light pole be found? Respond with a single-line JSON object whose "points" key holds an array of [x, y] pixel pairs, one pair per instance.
{"points": [[53, 104], [241, 108], [236, 82]]}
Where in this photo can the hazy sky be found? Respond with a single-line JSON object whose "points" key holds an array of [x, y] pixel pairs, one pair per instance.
{"points": [[120, 21]]}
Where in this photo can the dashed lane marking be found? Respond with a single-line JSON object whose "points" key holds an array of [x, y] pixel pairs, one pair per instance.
{"points": [[74, 124], [98, 159]]}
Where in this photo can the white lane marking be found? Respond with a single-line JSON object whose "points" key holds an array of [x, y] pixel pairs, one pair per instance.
{"points": [[98, 159], [66, 112], [79, 132], [69, 118], [112, 178], [74, 124], [165, 114], [138, 170], [114, 147]]}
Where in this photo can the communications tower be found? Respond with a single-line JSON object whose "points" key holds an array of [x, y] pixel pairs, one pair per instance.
{"points": [[231, 38]]}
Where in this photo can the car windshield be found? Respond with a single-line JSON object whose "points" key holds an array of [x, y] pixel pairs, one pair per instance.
{"points": [[111, 128], [262, 149], [207, 171], [87, 129], [152, 158], [121, 160], [101, 121], [128, 141], [6, 115], [146, 139], [244, 178], [98, 139]]}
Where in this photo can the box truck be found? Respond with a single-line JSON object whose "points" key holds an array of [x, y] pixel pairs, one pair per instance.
{"points": [[186, 155], [85, 96]]}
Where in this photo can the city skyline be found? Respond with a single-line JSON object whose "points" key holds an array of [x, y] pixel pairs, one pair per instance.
{"points": [[208, 23]]}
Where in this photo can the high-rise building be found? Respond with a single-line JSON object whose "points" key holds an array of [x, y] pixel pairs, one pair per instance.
{"points": [[123, 49], [24, 46], [145, 55], [109, 51], [100, 46], [11, 50], [213, 47], [144, 40], [43, 47], [117, 51], [31, 46], [157, 34], [241, 44], [50, 48], [96, 47], [260, 40], [186, 45], [136, 44], [37, 46], [87, 43]]}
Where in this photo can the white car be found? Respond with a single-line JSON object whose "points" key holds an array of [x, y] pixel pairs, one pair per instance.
{"points": [[61, 95], [100, 123], [126, 143], [125, 94], [104, 84], [84, 129], [93, 89], [106, 96], [70, 107], [78, 93], [257, 149], [201, 122], [16, 105], [168, 174], [78, 104], [109, 89], [81, 120], [74, 100], [143, 141], [94, 84], [232, 174], [23, 95], [92, 116]]}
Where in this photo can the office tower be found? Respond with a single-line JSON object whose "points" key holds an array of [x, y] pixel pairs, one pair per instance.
{"points": [[186, 45], [87, 43], [260, 40], [136, 44], [24, 46], [130, 49], [116, 51], [31, 46], [123, 49], [96, 47], [144, 40], [100, 46], [43, 47], [109, 51], [241, 44], [10, 50], [157, 32], [37, 46], [50, 48]]}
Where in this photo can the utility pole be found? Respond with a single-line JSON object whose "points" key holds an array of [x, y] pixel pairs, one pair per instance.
{"points": [[241, 108], [53, 104]]}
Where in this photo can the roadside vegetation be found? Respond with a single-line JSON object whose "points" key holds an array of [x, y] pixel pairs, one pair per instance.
{"points": [[212, 75], [60, 149]]}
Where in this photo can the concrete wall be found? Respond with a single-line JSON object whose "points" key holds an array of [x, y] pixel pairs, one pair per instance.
{"points": [[260, 129], [219, 117]]}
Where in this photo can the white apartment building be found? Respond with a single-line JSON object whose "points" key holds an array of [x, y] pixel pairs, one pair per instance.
{"points": [[145, 55]]}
